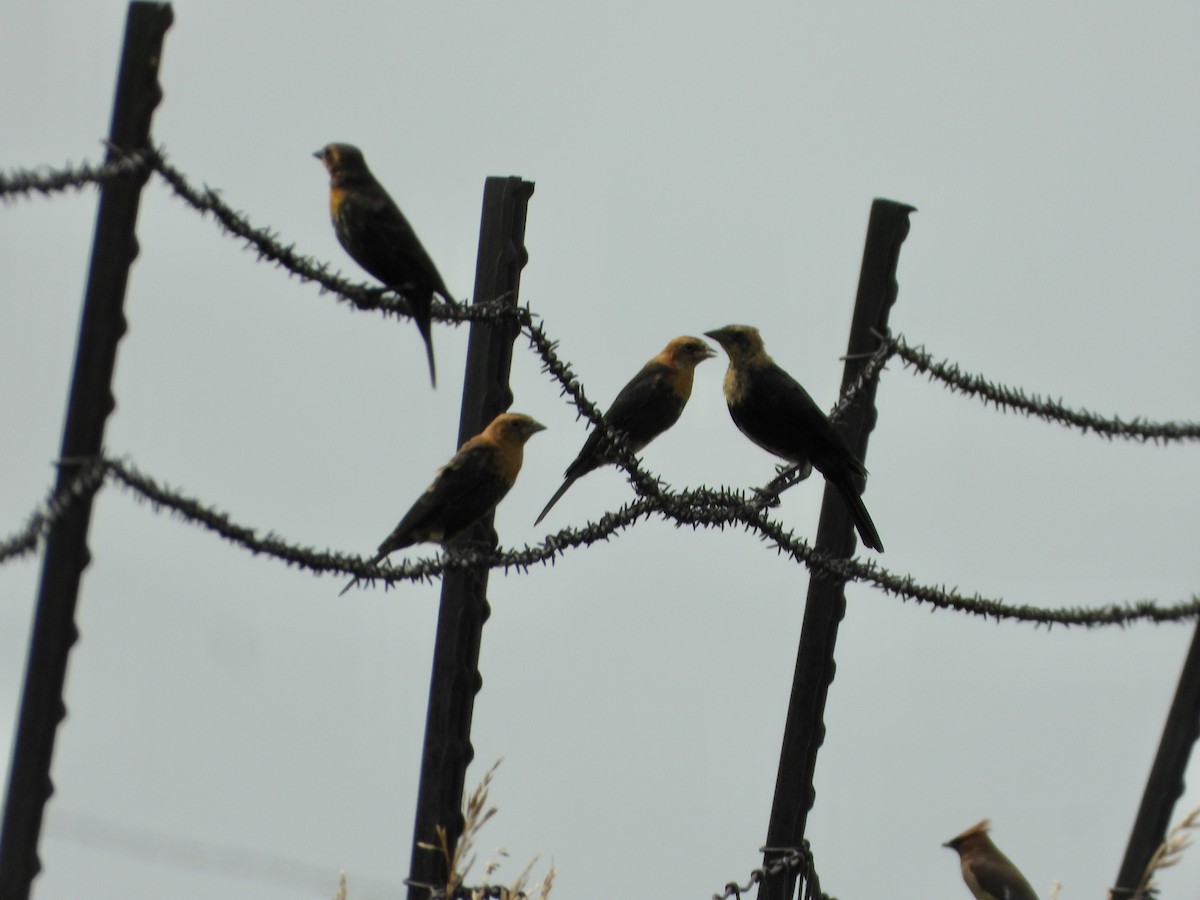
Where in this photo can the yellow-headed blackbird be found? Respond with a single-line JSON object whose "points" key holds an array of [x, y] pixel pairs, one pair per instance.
{"points": [[465, 489], [371, 228], [775, 412], [646, 407], [988, 873], [468, 487]]}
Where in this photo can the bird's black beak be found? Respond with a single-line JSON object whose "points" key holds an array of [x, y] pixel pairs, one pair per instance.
{"points": [[719, 335], [320, 154]]}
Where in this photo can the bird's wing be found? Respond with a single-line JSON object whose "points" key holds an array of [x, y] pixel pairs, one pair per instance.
{"points": [[388, 246], [646, 407], [1001, 879], [781, 416], [463, 491]]}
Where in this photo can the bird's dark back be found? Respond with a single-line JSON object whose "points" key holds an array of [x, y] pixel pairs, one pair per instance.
{"points": [[375, 233], [779, 415]]}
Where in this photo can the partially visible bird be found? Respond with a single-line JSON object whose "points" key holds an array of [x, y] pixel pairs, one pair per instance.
{"points": [[467, 488], [775, 412], [989, 874], [371, 228], [647, 406]]}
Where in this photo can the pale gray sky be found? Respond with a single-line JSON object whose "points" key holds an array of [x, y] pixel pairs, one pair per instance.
{"points": [[692, 171]]}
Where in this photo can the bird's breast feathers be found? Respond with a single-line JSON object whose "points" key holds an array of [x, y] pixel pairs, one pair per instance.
{"points": [[337, 196], [501, 456], [508, 461], [679, 379], [737, 385]]}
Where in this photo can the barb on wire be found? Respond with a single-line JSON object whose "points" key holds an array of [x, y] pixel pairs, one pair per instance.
{"points": [[1015, 399], [47, 181]]}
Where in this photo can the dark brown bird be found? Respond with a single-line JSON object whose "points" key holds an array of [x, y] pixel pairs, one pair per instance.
{"points": [[371, 228], [775, 412], [988, 873], [647, 406], [467, 488]]}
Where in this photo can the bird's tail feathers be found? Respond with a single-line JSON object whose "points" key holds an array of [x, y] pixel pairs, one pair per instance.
{"points": [[557, 496], [425, 326], [862, 518]]}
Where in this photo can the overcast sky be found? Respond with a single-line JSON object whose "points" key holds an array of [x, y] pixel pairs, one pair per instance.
{"points": [[692, 171]]}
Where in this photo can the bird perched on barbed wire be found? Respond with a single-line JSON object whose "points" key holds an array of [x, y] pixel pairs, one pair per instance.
{"points": [[775, 412], [371, 228], [647, 406], [467, 488], [989, 874]]}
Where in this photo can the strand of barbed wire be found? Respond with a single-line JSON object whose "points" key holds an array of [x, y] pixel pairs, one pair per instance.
{"points": [[792, 858], [702, 507], [1004, 397], [208, 201], [699, 508], [47, 181], [27, 540]]}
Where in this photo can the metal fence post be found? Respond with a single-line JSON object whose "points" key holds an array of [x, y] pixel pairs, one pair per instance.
{"points": [[804, 730], [102, 325], [1164, 785], [464, 608]]}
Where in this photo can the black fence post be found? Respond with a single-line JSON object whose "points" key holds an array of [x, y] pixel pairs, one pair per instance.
{"points": [[102, 325], [1164, 786], [804, 731], [464, 608]]}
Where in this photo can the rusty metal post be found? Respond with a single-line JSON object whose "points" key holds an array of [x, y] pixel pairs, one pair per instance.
{"points": [[804, 730], [1164, 786], [102, 325], [464, 608]]}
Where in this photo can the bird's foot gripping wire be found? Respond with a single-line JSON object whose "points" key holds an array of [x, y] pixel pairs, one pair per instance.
{"points": [[767, 497]]}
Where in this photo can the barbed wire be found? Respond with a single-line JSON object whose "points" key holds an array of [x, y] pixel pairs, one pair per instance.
{"points": [[485, 891], [26, 540], [793, 858], [266, 244], [47, 181], [1015, 399], [702, 507]]}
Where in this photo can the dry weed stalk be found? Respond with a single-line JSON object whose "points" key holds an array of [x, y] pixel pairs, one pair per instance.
{"points": [[476, 814], [1169, 853]]}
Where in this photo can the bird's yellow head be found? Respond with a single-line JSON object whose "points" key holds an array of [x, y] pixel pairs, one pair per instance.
{"points": [[339, 158], [741, 342], [687, 352], [513, 429]]}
